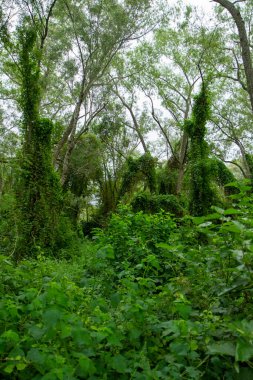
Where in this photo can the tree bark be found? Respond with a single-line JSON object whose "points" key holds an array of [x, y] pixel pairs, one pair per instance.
{"points": [[244, 44], [182, 159], [73, 121]]}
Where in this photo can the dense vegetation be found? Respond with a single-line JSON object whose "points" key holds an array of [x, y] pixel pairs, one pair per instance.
{"points": [[126, 209]]}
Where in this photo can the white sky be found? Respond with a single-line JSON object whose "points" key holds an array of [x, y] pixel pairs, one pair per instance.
{"points": [[207, 5]]}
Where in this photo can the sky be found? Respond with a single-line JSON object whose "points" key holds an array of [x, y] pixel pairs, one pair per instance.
{"points": [[204, 3], [207, 5]]}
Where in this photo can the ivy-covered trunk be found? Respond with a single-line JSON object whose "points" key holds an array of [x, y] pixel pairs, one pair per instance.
{"points": [[39, 192], [201, 192]]}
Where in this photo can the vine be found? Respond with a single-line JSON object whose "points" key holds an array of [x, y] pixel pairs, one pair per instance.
{"points": [[139, 169], [202, 195], [39, 191]]}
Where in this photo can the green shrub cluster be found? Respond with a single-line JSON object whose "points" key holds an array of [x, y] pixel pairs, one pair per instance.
{"points": [[142, 168], [150, 203], [8, 223]]}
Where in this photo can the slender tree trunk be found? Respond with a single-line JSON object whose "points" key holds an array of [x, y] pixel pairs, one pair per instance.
{"points": [[248, 172], [73, 121], [244, 43], [183, 150], [137, 128], [182, 159], [136, 125], [65, 166]]}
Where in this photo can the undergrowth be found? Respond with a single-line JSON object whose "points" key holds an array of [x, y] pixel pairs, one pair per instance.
{"points": [[152, 297]]}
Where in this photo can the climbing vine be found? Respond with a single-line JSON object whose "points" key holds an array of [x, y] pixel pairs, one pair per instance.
{"points": [[201, 192], [142, 168], [153, 203], [39, 192]]}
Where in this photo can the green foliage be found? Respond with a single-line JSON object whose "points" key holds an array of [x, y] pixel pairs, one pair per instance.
{"points": [[145, 301], [222, 175], [142, 168], [167, 177], [153, 296], [29, 57], [8, 223], [150, 203], [131, 236], [249, 160], [202, 195], [85, 164], [38, 192]]}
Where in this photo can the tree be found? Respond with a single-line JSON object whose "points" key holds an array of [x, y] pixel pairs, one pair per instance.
{"points": [[99, 33], [201, 192], [170, 75], [39, 192], [244, 43]]}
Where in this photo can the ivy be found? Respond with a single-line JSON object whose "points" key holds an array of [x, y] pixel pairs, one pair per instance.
{"points": [[202, 195], [152, 203], [39, 192], [139, 169]]}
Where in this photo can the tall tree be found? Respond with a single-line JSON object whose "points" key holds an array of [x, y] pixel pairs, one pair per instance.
{"points": [[99, 32], [244, 41], [39, 190], [201, 192]]}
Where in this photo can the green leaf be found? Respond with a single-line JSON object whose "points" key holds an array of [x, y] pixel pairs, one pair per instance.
{"points": [[232, 211], [35, 356], [106, 252], [183, 310], [244, 351], [244, 374], [222, 348], [36, 332], [168, 247], [9, 369], [237, 228], [65, 331], [86, 366], [115, 299], [232, 184], [52, 316], [11, 336], [134, 334], [21, 366], [119, 363], [81, 336]]}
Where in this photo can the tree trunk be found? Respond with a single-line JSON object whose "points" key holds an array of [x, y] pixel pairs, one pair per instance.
{"points": [[135, 122], [244, 43], [73, 121], [182, 159], [137, 128], [65, 166], [247, 167]]}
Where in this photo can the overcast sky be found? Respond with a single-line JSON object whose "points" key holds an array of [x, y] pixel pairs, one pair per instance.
{"points": [[205, 4]]}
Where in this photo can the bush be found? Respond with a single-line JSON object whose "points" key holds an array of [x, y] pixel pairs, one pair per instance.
{"points": [[149, 203]]}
